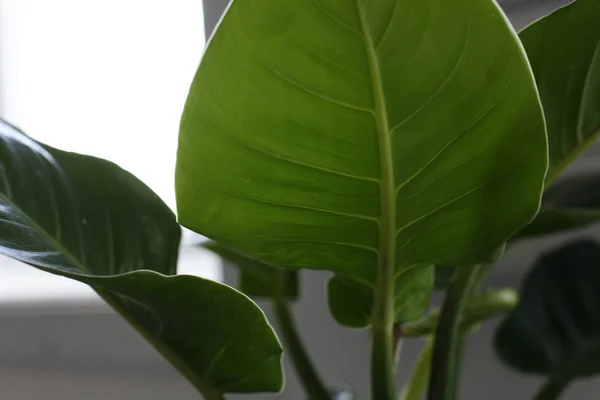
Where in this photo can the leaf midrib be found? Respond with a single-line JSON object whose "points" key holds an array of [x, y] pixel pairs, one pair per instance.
{"points": [[387, 226], [75, 262]]}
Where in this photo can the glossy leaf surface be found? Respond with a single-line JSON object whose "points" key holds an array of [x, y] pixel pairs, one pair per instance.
{"points": [[350, 135], [257, 279], [555, 329], [87, 219], [564, 51]]}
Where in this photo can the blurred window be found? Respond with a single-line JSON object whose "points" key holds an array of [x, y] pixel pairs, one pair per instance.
{"points": [[107, 78]]}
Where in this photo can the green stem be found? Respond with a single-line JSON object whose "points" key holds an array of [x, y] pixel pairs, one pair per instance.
{"points": [[382, 355], [446, 351], [204, 387], [479, 308], [420, 375], [553, 388], [483, 306], [308, 376]]}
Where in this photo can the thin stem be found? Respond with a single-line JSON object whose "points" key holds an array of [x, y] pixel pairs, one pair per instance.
{"points": [[446, 351], [308, 376], [479, 308], [553, 388], [420, 375]]}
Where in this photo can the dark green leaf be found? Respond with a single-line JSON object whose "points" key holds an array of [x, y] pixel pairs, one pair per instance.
{"points": [[564, 51], [358, 136], [351, 302], [569, 204], [89, 220], [555, 329], [257, 279]]}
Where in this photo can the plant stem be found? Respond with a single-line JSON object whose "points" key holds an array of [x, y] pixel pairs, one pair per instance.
{"points": [[382, 355], [420, 375], [308, 376], [553, 388], [445, 366], [479, 308]]}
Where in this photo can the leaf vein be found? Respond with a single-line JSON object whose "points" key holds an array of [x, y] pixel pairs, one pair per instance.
{"points": [[454, 200], [336, 20], [299, 206], [318, 95], [452, 141], [296, 162], [440, 88], [15, 223], [388, 26], [219, 355], [316, 241]]}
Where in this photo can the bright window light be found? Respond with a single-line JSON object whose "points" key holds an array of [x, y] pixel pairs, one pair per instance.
{"points": [[107, 78]]}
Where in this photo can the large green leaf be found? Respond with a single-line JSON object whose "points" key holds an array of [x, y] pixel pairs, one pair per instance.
{"points": [[257, 279], [566, 205], [361, 135], [89, 220], [351, 302], [555, 329], [564, 51]]}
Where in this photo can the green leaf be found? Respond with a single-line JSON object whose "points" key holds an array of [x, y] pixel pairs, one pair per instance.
{"points": [[257, 279], [555, 329], [323, 133], [87, 219], [564, 51], [567, 205], [351, 302], [361, 136]]}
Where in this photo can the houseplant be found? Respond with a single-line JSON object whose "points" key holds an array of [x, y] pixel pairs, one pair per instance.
{"points": [[373, 139]]}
